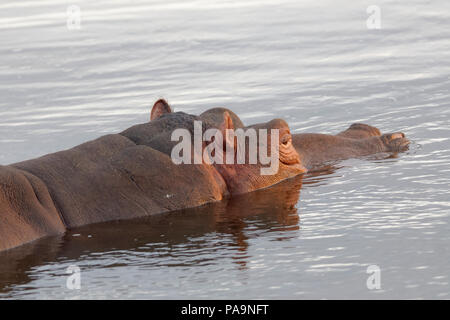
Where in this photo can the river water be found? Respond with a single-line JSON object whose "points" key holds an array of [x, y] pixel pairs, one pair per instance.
{"points": [[318, 66]]}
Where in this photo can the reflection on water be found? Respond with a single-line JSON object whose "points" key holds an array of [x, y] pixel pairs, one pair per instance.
{"points": [[178, 239], [316, 65]]}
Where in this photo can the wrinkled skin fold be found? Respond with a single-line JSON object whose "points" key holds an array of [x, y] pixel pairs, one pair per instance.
{"points": [[131, 174]]}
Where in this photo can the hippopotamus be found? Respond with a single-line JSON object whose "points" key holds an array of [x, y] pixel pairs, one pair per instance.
{"points": [[131, 174]]}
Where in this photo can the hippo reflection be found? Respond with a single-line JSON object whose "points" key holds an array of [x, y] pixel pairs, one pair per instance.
{"points": [[269, 210]]}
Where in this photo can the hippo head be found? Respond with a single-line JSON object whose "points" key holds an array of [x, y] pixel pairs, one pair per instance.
{"points": [[269, 143], [247, 157]]}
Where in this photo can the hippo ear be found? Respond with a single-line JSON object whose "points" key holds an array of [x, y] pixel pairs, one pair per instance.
{"points": [[159, 108], [227, 124]]}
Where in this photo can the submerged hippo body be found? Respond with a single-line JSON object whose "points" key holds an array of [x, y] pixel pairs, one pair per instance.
{"points": [[131, 174]]}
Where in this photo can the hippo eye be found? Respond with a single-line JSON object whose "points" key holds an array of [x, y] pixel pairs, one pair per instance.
{"points": [[286, 138]]}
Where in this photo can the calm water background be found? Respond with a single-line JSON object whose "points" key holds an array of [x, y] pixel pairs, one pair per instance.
{"points": [[313, 63]]}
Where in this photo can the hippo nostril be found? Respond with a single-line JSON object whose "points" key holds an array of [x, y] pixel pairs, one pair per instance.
{"points": [[397, 135]]}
